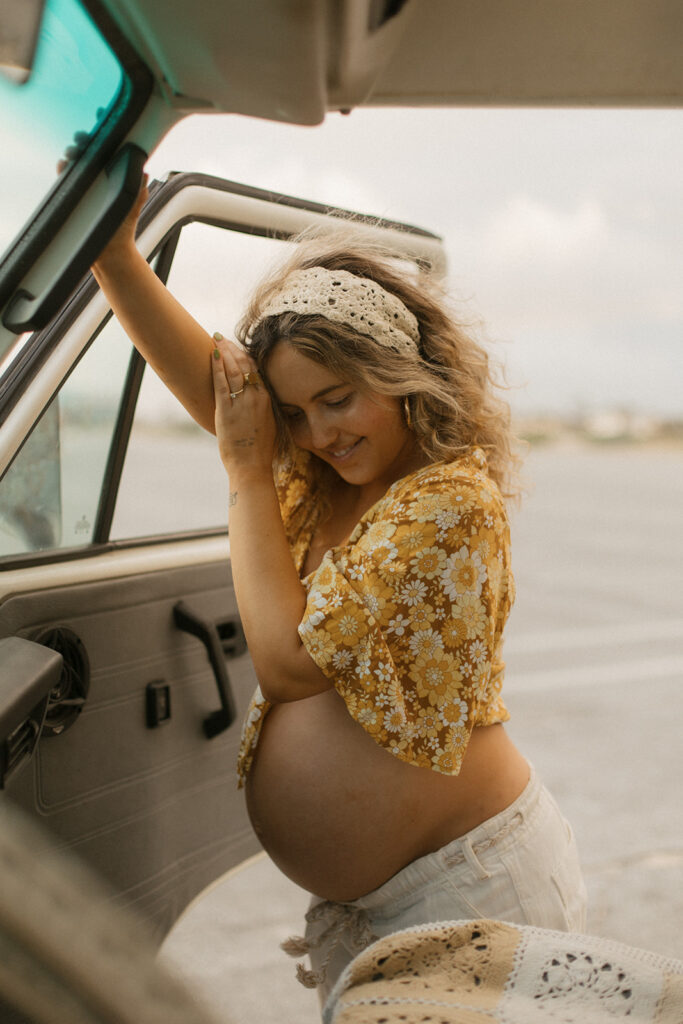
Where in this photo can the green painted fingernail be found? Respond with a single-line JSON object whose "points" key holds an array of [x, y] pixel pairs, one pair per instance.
{"points": [[217, 336], [216, 354]]}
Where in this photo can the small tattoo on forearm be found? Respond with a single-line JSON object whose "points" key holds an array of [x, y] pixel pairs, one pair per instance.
{"points": [[244, 442], [232, 499]]}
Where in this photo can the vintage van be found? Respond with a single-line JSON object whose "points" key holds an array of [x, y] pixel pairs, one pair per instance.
{"points": [[123, 667]]}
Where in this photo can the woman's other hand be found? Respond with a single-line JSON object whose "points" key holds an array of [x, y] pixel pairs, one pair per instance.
{"points": [[73, 151], [245, 424], [80, 142]]}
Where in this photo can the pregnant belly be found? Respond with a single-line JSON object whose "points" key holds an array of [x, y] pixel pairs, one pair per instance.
{"points": [[334, 810], [340, 815]]}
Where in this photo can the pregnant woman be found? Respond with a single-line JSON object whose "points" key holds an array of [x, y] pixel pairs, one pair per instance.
{"points": [[369, 460]]}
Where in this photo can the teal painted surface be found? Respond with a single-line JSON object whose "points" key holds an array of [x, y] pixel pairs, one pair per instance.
{"points": [[75, 75]]}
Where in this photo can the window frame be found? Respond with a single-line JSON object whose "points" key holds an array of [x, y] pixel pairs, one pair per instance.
{"points": [[43, 344], [69, 188]]}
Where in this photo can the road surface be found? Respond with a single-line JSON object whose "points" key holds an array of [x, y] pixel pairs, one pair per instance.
{"points": [[595, 689]]}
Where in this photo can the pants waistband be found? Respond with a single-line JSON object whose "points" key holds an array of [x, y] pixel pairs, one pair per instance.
{"points": [[490, 833]]}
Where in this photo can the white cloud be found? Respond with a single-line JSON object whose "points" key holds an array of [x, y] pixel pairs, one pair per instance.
{"points": [[545, 266], [529, 230], [562, 227]]}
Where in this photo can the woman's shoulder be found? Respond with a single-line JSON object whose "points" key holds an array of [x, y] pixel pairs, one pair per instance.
{"points": [[444, 514], [464, 480]]}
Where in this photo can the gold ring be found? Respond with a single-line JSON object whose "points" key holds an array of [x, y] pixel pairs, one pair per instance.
{"points": [[234, 394], [253, 378]]}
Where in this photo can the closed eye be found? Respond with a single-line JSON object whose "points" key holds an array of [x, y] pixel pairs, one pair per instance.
{"points": [[339, 403]]}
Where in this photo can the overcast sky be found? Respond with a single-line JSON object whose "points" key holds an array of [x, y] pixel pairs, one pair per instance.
{"points": [[563, 228]]}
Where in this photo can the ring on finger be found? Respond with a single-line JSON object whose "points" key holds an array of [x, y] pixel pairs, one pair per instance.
{"points": [[253, 377], [234, 394]]}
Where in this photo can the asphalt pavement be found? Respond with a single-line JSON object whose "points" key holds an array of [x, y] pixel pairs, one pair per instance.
{"points": [[595, 690]]}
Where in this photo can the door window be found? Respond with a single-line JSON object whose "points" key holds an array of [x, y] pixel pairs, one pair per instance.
{"points": [[115, 457], [50, 495], [73, 82], [172, 481]]}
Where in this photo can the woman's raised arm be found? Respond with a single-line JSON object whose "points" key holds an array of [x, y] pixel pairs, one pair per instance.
{"points": [[176, 347]]}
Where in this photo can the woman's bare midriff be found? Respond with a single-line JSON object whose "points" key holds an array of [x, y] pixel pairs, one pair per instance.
{"points": [[340, 815]]}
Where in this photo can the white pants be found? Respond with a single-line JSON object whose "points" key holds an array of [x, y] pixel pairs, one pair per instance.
{"points": [[520, 866]]}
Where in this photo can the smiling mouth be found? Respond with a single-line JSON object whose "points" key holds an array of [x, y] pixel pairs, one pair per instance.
{"points": [[343, 453]]}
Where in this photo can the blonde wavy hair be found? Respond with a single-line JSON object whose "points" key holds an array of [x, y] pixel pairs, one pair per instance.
{"points": [[451, 387]]}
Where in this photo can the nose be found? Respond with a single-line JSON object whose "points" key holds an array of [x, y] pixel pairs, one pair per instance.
{"points": [[321, 433]]}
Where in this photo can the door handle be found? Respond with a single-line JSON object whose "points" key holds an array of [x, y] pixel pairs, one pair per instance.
{"points": [[222, 640]]}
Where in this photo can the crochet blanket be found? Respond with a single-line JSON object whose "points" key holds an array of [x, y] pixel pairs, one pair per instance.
{"points": [[475, 972]]}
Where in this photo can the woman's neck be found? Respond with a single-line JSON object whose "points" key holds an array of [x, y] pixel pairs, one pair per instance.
{"points": [[360, 498]]}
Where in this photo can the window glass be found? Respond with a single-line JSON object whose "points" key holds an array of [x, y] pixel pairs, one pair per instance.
{"points": [[74, 79], [50, 495], [173, 480]]}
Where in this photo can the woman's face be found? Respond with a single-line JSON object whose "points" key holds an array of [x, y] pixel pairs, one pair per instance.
{"points": [[362, 435]]}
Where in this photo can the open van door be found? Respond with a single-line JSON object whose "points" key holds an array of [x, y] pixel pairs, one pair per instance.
{"points": [[116, 601]]}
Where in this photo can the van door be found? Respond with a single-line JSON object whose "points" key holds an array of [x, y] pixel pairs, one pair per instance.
{"points": [[114, 553]]}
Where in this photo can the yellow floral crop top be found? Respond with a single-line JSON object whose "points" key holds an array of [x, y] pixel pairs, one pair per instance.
{"points": [[406, 618]]}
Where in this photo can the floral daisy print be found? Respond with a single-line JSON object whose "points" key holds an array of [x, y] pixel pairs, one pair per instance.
{"points": [[407, 617]]}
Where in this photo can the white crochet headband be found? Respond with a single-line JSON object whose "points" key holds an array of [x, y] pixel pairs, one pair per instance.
{"points": [[347, 299]]}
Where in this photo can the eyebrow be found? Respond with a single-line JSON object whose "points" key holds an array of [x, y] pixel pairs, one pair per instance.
{"points": [[326, 391]]}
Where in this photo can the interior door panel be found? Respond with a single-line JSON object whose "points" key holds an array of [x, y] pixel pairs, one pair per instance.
{"points": [[154, 809]]}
